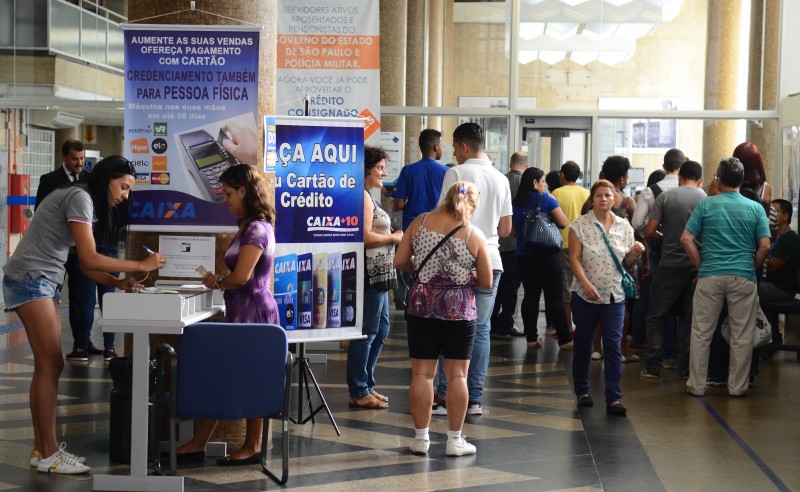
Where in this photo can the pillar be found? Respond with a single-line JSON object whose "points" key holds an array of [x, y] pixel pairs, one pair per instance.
{"points": [[393, 17], [764, 134], [415, 76], [437, 46], [719, 137]]}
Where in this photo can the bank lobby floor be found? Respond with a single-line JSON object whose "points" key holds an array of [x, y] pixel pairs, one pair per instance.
{"points": [[531, 437]]}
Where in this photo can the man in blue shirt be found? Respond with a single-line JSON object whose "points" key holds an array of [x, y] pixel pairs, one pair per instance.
{"points": [[417, 191], [735, 235]]}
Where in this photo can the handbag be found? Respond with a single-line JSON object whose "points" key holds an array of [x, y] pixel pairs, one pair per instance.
{"points": [[628, 282], [762, 335], [540, 231]]}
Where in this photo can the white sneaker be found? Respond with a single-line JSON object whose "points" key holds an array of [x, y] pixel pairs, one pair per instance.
{"points": [[420, 446], [460, 447], [36, 456], [474, 409], [438, 409], [62, 462]]}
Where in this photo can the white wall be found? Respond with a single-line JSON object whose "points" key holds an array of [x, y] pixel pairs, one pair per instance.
{"points": [[790, 45]]}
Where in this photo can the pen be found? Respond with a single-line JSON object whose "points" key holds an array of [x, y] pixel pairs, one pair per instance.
{"points": [[148, 250]]}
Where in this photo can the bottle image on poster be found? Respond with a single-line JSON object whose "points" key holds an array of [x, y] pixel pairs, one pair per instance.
{"points": [[286, 290], [349, 289], [334, 290], [305, 292], [320, 270]]}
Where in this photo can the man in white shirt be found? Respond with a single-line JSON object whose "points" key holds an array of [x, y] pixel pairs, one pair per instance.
{"points": [[493, 218], [672, 164]]}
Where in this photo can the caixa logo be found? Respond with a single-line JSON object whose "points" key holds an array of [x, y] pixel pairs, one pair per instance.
{"points": [[163, 210]]}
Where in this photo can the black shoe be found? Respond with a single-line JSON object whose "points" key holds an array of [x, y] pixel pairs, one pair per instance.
{"points": [[511, 332], [585, 401], [94, 350], [615, 408], [400, 305], [252, 460]]}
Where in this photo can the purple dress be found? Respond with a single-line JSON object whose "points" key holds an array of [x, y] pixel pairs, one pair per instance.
{"points": [[253, 302]]}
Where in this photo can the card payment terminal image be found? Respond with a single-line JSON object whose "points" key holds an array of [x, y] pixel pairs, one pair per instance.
{"points": [[208, 159]]}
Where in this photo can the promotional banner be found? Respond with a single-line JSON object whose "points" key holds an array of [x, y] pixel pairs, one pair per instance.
{"points": [[319, 202], [191, 109], [329, 52]]}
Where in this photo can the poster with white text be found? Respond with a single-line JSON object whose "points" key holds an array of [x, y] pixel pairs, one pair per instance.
{"points": [[191, 111]]}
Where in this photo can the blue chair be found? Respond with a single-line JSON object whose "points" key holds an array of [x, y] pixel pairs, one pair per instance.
{"points": [[231, 371]]}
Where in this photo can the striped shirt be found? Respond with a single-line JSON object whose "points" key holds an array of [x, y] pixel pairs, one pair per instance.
{"points": [[729, 226]]}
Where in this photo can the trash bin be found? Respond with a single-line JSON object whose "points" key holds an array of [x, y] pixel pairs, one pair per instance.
{"points": [[119, 442]]}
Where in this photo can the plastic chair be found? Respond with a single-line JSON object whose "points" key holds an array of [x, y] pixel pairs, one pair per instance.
{"points": [[231, 371]]}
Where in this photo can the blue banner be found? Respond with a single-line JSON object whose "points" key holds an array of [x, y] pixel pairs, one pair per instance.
{"points": [[191, 106]]}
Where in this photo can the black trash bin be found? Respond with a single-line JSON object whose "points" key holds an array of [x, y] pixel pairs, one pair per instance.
{"points": [[119, 442]]}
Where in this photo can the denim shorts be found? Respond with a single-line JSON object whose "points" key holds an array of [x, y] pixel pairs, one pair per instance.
{"points": [[16, 293]]}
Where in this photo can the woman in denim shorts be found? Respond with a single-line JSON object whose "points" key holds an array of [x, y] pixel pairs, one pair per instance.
{"points": [[77, 215]]}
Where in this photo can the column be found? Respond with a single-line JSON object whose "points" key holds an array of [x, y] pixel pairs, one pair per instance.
{"points": [[722, 61], [415, 75]]}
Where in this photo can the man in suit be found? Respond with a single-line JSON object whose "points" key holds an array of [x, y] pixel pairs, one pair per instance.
{"points": [[83, 291]]}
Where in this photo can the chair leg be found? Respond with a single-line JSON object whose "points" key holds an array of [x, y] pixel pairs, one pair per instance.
{"points": [[284, 451]]}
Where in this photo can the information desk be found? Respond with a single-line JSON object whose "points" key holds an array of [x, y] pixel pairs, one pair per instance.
{"points": [[142, 314]]}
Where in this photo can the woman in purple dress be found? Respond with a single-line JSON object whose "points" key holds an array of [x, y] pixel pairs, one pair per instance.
{"points": [[246, 291]]}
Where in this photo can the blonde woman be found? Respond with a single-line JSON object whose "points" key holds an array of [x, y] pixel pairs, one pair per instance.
{"points": [[441, 308]]}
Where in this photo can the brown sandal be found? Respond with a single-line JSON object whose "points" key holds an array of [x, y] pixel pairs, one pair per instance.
{"points": [[379, 396], [368, 402]]}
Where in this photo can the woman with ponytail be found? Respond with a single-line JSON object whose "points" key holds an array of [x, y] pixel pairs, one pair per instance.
{"points": [[448, 257]]}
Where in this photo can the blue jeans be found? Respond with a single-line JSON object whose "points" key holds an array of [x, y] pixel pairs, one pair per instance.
{"points": [[362, 355], [586, 317], [83, 295], [484, 300]]}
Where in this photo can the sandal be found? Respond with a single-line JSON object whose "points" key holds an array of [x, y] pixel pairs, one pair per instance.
{"points": [[368, 402], [379, 396], [537, 344], [630, 358]]}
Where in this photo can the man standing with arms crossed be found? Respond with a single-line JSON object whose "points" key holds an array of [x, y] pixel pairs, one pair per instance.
{"points": [[735, 235], [416, 191], [571, 198], [505, 304], [493, 218]]}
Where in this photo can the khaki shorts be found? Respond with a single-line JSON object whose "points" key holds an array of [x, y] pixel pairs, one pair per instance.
{"points": [[567, 277]]}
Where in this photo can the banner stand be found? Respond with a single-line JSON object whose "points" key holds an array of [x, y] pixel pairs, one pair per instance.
{"points": [[305, 372]]}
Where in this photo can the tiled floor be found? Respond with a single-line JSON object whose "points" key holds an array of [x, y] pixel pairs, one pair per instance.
{"points": [[531, 436]]}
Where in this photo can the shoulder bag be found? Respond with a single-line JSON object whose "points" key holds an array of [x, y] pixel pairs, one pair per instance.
{"points": [[540, 231], [628, 282]]}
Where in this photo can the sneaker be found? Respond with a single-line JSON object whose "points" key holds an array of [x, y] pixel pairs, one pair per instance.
{"points": [[109, 354], [35, 457], [668, 364], [420, 446], [474, 408], [94, 350], [439, 406], [597, 356], [62, 462], [648, 375], [460, 447], [78, 355]]}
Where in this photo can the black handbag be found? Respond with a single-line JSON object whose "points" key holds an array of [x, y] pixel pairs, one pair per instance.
{"points": [[540, 231], [628, 282]]}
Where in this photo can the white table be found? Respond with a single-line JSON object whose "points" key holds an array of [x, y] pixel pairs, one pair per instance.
{"points": [[141, 315]]}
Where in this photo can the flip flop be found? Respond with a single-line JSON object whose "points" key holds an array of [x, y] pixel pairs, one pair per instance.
{"points": [[630, 358]]}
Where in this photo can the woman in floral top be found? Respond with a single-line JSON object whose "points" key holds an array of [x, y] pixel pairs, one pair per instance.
{"points": [[441, 308], [597, 294]]}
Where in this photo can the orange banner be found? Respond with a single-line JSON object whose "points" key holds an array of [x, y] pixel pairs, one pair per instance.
{"points": [[328, 52]]}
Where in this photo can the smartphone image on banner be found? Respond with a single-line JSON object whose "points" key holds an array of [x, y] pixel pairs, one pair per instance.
{"points": [[349, 289], [334, 290], [285, 275], [320, 313], [209, 160], [305, 292]]}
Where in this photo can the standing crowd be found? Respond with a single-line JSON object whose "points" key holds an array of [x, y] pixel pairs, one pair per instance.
{"points": [[669, 267]]}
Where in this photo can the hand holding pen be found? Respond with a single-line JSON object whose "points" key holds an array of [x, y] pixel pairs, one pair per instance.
{"points": [[154, 260]]}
